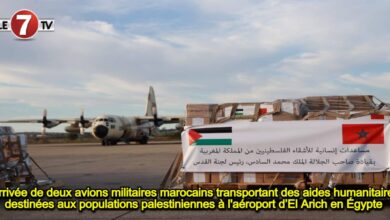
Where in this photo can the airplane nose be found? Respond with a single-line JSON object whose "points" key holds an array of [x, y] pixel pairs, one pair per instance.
{"points": [[100, 131]]}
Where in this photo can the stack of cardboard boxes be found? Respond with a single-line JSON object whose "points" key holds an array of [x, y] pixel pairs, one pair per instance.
{"points": [[15, 164], [281, 110]]}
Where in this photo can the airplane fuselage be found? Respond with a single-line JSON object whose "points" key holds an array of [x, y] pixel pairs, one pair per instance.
{"points": [[111, 129]]}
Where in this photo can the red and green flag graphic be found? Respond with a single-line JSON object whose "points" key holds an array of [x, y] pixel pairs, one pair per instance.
{"points": [[209, 136], [363, 133], [239, 111], [263, 111], [377, 116]]}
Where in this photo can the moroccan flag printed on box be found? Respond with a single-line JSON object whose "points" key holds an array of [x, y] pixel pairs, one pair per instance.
{"points": [[377, 116], [210, 136], [363, 134]]}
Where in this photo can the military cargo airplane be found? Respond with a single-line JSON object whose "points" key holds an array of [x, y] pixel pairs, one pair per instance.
{"points": [[111, 129]]}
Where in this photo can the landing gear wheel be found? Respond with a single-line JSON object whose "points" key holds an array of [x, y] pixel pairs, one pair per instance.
{"points": [[106, 143], [144, 140]]}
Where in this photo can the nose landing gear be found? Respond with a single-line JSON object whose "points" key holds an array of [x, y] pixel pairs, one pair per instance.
{"points": [[144, 140], [109, 142]]}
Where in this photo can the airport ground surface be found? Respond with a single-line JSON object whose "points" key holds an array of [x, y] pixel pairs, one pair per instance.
{"points": [[82, 165]]}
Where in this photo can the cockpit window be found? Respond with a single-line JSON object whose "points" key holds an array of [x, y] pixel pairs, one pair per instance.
{"points": [[106, 120]]}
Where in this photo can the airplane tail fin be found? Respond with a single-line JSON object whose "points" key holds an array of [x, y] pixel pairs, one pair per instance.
{"points": [[151, 108]]}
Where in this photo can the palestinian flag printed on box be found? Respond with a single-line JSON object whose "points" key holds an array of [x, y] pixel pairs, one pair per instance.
{"points": [[210, 136], [241, 111]]}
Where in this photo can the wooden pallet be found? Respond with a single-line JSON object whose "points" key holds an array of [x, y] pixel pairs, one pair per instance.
{"points": [[16, 165]]}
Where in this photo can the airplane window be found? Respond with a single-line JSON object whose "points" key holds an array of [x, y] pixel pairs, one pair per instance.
{"points": [[105, 119]]}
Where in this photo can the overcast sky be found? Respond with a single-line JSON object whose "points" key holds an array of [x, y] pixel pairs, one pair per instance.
{"points": [[103, 55]]}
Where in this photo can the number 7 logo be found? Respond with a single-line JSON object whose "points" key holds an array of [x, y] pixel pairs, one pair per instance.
{"points": [[26, 18], [24, 24]]}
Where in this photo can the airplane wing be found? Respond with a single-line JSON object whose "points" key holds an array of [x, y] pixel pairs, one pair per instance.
{"points": [[162, 119], [172, 119], [31, 121], [50, 123], [59, 121]]}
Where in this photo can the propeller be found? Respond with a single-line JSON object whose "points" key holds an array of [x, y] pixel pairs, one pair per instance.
{"points": [[82, 122], [45, 122], [155, 119]]}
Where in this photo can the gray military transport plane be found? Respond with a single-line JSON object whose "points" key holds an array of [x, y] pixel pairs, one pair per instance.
{"points": [[111, 129]]}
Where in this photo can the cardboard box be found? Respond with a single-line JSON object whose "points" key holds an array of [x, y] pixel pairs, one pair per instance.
{"points": [[284, 116], [197, 121], [291, 107], [221, 177], [283, 178], [15, 149], [267, 108], [200, 110], [380, 178], [251, 178], [322, 117], [213, 177], [358, 178], [6, 152], [197, 177], [318, 177], [277, 106]]}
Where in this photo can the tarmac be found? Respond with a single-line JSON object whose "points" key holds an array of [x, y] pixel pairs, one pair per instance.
{"points": [[92, 165]]}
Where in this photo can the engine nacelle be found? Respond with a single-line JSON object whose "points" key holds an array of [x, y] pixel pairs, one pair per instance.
{"points": [[72, 129], [52, 124]]}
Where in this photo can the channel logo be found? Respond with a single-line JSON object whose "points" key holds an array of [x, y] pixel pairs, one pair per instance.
{"points": [[24, 24]]}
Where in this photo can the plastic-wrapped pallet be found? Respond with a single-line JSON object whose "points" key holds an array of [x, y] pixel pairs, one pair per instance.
{"points": [[309, 108], [15, 164]]}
